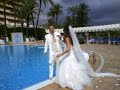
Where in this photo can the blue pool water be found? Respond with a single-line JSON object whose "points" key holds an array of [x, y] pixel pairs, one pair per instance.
{"points": [[22, 66]]}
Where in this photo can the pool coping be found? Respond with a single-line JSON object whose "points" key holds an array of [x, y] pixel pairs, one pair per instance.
{"points": [[23, 45], [40, 85]]}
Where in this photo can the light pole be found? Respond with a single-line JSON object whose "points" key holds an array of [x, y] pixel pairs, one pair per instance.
{"points": [[109, 41], [87, 35]]}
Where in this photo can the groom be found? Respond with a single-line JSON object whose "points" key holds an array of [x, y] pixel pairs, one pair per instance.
{"points": [[52, 41]]}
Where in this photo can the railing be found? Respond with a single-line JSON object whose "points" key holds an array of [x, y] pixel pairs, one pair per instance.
{"points": [[94, 54]]}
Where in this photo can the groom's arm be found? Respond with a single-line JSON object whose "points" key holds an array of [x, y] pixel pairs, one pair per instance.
{"points": [[59, 36], [61, 40], [46, 45]]}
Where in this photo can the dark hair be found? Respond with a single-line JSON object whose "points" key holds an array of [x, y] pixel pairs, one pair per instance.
{"points": [[51, 26], [66, 33]]}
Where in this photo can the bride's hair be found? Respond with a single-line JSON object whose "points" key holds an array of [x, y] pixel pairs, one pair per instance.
{"points": [[66, 32]]}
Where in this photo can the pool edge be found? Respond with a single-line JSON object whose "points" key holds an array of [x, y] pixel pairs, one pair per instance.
{"points": [[40, 85]]}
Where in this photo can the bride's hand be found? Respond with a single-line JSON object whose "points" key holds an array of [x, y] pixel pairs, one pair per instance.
{"points": [[60, 36], [59, 55]]}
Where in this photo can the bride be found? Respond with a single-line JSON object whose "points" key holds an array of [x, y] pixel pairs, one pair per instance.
{"points": [[74, 70]]}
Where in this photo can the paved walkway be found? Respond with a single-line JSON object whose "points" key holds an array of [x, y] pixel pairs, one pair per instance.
{"points": [[111, 54]]}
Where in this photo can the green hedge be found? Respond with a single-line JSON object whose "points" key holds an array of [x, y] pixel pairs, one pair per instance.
{"points": [[31, 32]]}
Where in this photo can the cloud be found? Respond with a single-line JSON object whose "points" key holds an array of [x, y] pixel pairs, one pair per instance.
{"points": [[104, 12], [101, 11]]}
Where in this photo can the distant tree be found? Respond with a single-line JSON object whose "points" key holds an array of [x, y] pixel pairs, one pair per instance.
{"points": [[20, 15], [45, 2], [50, 22], [68, 20], [55, 11], [72, 10], [82, 15], [28, 7], [51, 15], [58, 11]]}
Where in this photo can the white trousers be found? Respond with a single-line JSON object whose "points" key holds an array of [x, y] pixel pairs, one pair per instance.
{"points": [[52, 61], [51, 68], [51, 65]]}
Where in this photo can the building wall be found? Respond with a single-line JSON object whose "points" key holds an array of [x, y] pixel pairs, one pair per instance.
{"points": [[9, 15]]}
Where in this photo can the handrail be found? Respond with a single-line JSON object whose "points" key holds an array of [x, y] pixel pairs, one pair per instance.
{"points": [[101, 60]]}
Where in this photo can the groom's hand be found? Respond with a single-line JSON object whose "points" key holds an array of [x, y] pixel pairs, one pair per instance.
{"points": [[60, 37]]}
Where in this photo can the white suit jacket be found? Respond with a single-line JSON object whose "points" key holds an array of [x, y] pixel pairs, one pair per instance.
{"points": [[48, 43]]}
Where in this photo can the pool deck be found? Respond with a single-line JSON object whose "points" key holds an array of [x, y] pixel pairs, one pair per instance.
{"points": [[111, 54], [24, 43]]}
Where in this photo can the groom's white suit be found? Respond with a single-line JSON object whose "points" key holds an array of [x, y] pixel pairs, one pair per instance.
{"points": [[54, 43]]}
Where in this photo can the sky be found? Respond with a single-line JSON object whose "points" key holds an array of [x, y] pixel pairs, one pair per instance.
{"points": [[101, 11]]}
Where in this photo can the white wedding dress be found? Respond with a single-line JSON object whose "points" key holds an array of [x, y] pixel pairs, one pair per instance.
{"points": [[72, 74], [75, 71]]}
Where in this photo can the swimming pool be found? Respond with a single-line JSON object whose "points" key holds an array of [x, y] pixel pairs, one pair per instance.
{"points": [[22, 66]]}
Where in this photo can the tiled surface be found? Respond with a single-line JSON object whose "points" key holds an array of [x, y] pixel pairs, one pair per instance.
{"points": [[111, 54]]}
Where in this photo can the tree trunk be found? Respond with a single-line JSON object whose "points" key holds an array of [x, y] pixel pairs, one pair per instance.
{"points": [[56, 19], [4, 4], [22, 25], [34, 26], [109, 40], [53, 18], [40, 5], [27, 27], [73, 19]]}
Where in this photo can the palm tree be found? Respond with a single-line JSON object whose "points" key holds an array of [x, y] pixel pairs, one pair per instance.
{"points": [[20, 14], [58, 11], [72, 10], [24, 13], [34, 25], [51, 14], [40, 8], [82, 15], [68, 20], [50, 22], [29, 7], [55, 12]]}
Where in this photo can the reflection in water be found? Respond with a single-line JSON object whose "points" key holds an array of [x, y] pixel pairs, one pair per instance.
{"points": [[15, 55], [22, 66]]}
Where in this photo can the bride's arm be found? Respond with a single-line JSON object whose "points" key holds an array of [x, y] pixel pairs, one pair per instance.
{"points": [[68, 46]]}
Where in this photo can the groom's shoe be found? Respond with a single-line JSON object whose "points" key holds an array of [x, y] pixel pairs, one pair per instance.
{"points": [[50, 78]]}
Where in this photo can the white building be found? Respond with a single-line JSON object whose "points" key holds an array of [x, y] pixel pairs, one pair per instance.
{"points": [[9, 15]]}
